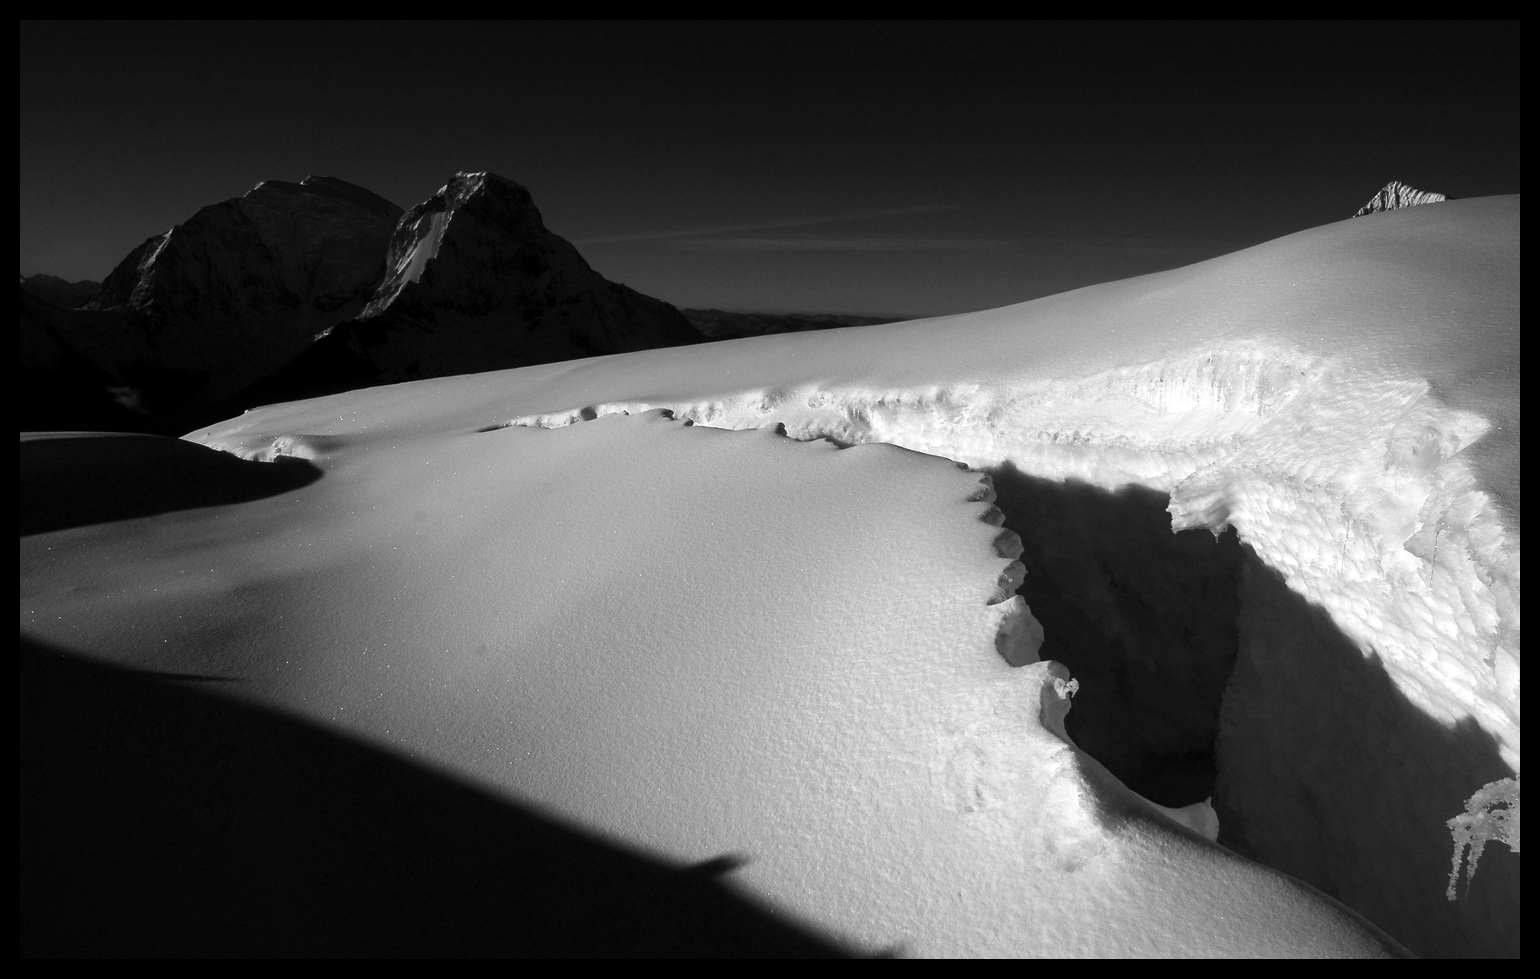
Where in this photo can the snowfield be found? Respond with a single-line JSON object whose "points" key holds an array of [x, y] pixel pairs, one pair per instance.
{"points": [[850, 612]]}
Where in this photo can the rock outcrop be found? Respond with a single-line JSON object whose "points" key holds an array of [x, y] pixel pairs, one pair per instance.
{"points": [[1396, 194]]}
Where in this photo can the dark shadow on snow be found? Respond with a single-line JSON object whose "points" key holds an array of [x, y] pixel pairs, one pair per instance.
{"points": [[71, 480], [1329, 772], [1144, 619], [159, 819], [1202, 673]]}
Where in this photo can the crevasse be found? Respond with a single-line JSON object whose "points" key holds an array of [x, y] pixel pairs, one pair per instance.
{"points": [[1338, 663], [1347, 482]]}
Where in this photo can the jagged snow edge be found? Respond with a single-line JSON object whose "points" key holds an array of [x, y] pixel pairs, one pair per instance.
{"points": [[1347, 480]]}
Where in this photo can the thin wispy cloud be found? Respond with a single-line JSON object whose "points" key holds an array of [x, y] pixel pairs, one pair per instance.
{"points": [[743, 237], [677, 234], [1128, 245], [844, 244]]}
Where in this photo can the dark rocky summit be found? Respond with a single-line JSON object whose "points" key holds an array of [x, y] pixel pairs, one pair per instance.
{"points": [[195, 315], [1396, 194], [295, 290], [474, 281]]}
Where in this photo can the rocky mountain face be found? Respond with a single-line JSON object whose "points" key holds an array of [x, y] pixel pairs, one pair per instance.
{"points": [[235, 293], [301, 289], [475, 281], [1396, 194]]}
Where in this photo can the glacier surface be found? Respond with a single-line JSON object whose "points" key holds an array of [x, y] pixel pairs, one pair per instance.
{"points": [[1274, 495]]}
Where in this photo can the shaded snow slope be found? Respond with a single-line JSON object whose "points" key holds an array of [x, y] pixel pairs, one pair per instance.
{"points": [[159, 818], [708, 646], [1345, 399]]}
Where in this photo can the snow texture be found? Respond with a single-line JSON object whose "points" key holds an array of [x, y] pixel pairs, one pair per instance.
{"points": [[697, 642]]}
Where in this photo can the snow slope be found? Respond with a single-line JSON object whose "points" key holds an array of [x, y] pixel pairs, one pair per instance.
{"points": [[704, 643]]}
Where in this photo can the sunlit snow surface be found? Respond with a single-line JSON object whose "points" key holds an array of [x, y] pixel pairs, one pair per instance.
{"points": [[701, 642]]}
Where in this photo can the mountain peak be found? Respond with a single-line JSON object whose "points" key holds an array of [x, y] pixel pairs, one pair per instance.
{"points": [[242, 287], [1396, 194], [330, 188], [341, 189], [417, 238], [475, 281], [246, 289]]}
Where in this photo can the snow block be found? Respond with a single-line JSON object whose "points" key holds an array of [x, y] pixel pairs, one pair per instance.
{"points": [[1020, 635]]}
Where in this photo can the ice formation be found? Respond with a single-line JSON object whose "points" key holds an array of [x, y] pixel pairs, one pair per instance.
{"points": [[1491, 814], [1345, 480]]}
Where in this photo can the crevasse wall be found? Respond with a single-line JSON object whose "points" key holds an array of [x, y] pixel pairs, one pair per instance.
{"points": [[1348, 483], [1349, 486]]}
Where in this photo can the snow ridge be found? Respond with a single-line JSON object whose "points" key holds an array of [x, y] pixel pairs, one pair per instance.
{"points": [[1352, 485]]}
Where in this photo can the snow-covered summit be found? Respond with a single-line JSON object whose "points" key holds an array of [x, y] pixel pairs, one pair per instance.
{"points": [[1396, 194]]}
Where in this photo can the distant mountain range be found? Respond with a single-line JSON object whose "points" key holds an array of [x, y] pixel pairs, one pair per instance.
{"points": [[60, 292], [295, 290]]}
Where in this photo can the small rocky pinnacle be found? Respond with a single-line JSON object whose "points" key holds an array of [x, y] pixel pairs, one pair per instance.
{"points": [[1396, 194]]}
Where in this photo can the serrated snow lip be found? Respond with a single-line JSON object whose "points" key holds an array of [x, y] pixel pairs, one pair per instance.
{"points": [[1018, 634], [1375, 514]]}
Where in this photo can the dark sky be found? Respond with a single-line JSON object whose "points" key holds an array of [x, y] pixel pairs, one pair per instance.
{"points": [[906, 169]]}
